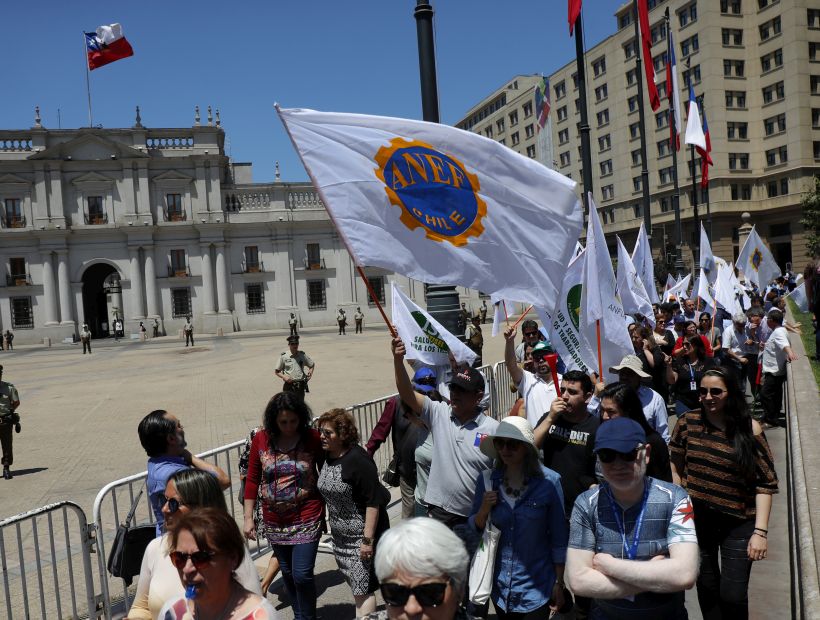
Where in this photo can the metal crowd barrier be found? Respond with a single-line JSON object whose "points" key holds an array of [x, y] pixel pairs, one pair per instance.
{"points": [[46, 562], [503, 397]]}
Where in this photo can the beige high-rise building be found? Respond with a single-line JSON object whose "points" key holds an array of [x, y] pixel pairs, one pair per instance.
{"points": [[757, 65]]}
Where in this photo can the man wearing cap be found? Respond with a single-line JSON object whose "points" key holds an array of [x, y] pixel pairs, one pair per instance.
{"points": [[457, 429], [630, 371], [291, 368], [567, 435], [9, 420], [536, 388], [397, 422], [358, 318], [292, 323], [632, 544]]}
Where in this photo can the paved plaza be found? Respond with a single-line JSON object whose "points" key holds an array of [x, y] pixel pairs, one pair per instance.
{"points": [[80, 415]]}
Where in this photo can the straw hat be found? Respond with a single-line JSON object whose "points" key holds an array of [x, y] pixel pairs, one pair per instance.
{"points": [[511, 427]]}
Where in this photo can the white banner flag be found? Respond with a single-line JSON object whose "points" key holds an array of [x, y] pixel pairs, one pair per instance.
{"points": [[707, 259], [424, 338], [799, 297], [630, 287], [679, 290], [703, 292], [644, 265], [756, 262], [440, 204]]}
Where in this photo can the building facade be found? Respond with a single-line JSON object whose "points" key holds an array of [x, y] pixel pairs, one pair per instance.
{"points": [[757, 65], [158, 224]]}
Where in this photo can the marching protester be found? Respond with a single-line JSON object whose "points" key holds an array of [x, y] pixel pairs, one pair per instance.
{"points": [[207, 549], [685, 373], [283, 467], [185, 491], [654, 406], [163, 438], [536, 388], [690, 328], [721, 456], [357, 505], [776, 352], [632, 543], [737, 353], [712, 333], [525, 502]]}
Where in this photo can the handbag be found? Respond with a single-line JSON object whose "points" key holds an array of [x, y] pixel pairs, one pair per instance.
{"points": [[482, 565], [125, 558], [391, 476]]}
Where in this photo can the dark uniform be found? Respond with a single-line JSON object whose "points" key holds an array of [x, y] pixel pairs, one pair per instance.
{"points": [[9, 422]]}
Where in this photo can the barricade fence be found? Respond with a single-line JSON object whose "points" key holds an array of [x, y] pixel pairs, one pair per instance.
{"points": [[46, 566]]}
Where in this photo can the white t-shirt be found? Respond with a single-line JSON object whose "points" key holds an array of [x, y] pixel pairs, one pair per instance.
{"points": [[774, 353], [537, 394]]}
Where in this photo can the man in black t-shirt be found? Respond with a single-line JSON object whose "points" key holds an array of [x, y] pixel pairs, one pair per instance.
{"points": [[567, 435]]}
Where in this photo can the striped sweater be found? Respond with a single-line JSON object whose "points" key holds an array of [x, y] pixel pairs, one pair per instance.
{"points": [[710, 473]]}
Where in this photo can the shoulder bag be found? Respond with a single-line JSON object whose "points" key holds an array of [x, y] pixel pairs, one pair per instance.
{"points": [[125, 558], [482, 566]]}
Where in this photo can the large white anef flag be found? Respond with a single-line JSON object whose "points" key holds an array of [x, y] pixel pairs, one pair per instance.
{"points": [[440, 204], [424, 338]]}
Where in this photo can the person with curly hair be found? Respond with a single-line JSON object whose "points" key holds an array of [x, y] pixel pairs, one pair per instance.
{"points": [[283, 468], [356, 502]]}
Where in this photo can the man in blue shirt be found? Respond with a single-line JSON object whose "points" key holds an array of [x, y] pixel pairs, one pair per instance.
{"points": [[632, 544], [162, 436]]}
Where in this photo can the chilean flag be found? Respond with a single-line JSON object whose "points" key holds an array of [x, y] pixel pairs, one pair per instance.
{"points": [[705, 158], [646, 51], [694, 129], [107, 45], [673, 93], [573, 11]]}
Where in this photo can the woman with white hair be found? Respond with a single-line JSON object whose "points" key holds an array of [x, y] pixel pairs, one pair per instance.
{"points": [[422, 568], [525, 502]]}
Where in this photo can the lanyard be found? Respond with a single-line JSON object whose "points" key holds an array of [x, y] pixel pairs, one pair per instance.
{"points": [[691, 373], [631, 550]]}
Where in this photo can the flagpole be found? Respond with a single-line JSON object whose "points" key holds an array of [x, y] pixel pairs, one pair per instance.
{"points": [[673, 147], [375, 299], [521, 318], [583, 127], [708, 209], [600, 358], [87, 81], [647, 216], [506, 316]]}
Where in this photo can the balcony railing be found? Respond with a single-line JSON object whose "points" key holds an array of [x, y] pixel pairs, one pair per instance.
{"points": [[95, 219], [179, 272], [20, 279], [257, 267], [312, 265], [175, 216], [14, 221]]}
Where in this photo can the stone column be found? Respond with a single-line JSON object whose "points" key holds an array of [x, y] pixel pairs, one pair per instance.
{"points": [[151, 283], [137, 291], [49, 290], [207, 279], [66, 313], [221, 279]]}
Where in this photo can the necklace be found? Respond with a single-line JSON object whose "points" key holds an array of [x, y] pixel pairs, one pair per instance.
{"points": [[514, 492]]}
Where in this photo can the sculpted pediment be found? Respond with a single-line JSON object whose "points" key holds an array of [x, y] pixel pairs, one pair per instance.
{"points": [[172, 176], [90, 147], [12, 181], [92, 178]]}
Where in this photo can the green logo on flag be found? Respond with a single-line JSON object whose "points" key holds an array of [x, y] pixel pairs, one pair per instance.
{"points": [[574, 305], [429, 331]]}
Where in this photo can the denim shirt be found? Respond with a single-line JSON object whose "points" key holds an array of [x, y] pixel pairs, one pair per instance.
{"points": [[533, 539]]}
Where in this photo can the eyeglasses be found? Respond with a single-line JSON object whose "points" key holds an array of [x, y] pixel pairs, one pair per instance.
{"points": [[608, 456], [324, 432], [715, 392], [530, 334], [199, 559], [427, 594], [173, 503], [501, 443]]}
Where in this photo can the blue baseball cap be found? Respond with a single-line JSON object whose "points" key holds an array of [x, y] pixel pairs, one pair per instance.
{"points": [[424, 380], [621, 434]]}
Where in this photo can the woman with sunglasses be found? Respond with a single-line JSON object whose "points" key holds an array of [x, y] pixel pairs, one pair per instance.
{"points": [[690, 328], [685, 373], [721, 456], [712, 333], [158, 580], [206, 548], [283, 467], [422, 567], [356, 502], [526, 503], [618, 400]]}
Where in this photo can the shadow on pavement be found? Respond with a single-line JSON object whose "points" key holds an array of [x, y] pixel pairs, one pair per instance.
{"points": [[30, 470]]}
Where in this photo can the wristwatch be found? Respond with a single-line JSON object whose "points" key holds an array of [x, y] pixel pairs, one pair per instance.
{"points": [[366, 540]]}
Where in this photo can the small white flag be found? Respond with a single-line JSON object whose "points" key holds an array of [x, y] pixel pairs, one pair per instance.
{"points": [[630, 287], [644, 265], [799, 297]]}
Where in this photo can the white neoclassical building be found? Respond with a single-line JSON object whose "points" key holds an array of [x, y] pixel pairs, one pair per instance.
{"points": [[146, 224]]}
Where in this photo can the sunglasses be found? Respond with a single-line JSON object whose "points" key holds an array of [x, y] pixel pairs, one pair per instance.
{"points": [[427, 594], [500, 443], [713, 391], [530, 334], [199, 559], [173, 503], [608, 456]]}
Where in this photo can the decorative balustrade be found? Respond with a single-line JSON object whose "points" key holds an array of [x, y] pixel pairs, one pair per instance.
{"points": [[95, 219], [19, 144], [20, 279], [258, 267], [170, 142], [304, 200], [13, 221], [176, 271], [174, 216], [269, 198]]}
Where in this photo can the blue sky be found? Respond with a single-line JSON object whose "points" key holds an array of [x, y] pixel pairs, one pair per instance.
{"points": [[243, 56]]}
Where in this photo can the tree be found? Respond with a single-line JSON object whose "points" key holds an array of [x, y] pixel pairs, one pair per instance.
{"points": [[811, 218]]}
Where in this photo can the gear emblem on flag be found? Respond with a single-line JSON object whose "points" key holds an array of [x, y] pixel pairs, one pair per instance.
{"points": [[434, 190], [757, 258]]}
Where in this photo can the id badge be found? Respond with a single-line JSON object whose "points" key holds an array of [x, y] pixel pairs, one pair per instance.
{"points": [[693, 386]]}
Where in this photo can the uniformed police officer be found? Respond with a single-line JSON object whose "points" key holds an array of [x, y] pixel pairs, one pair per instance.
{"points": [[359, 319], [291, 368], [292, 323], [9, 421]]}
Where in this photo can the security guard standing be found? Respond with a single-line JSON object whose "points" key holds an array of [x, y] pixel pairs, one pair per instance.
{"points": [[474, 339], [359, 319], [9, 420], [295, 368]]}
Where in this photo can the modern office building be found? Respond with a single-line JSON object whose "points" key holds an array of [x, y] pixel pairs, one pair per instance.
{"points": [[757, 65], [143, 224]]}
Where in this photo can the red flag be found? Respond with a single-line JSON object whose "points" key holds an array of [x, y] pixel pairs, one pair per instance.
{"points": [[574, 10], [646, 50], [705, 157], [106, 45]]}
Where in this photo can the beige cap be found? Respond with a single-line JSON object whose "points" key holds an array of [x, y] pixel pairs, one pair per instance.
{"points": [[633, 363], [511, 427]]}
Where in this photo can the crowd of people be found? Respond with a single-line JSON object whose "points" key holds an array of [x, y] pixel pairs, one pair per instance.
{"points": [[608, 500]]}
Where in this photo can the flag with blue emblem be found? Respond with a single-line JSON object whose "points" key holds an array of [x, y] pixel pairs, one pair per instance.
{"points": [[439, 204], [756, 262]]}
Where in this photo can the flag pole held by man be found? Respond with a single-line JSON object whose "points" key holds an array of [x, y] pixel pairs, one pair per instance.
{"points": [[440, 204]]}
